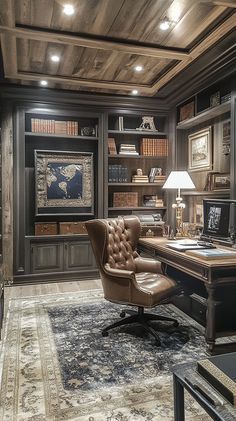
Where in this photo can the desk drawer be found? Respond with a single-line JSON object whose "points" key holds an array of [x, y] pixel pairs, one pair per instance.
{"points": [[198, 306]]}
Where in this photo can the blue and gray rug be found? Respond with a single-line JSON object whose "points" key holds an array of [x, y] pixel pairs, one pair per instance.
{"points": [[57, 366]]}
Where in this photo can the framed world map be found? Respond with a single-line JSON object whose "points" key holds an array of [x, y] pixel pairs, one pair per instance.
{"points": [[64, 183]]}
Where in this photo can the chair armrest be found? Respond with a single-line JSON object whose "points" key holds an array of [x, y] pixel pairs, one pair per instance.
{"points": [[147, 265], [119, 273]]}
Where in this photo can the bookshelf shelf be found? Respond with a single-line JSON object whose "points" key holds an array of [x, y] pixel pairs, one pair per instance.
{"points": [[136, 157], [138, 132], [135, 184], [216, 193], [38, 134], [136, 208], [205, 115]]}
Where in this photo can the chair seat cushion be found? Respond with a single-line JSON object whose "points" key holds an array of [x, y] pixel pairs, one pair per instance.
{"points": [[153, 288]]}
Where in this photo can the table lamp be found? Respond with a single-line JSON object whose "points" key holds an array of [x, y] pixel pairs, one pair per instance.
{"points": [[179, 180]]}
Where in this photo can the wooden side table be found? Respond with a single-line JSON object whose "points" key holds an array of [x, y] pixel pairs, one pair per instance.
{"points": [[184, 377]]}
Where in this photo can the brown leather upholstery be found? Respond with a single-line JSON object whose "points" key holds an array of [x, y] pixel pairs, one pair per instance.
{"points": [[126, 277]]}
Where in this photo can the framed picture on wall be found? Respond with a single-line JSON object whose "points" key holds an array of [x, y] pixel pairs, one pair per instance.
{"points": [[64, 183], [200, 150], [220, 181]]}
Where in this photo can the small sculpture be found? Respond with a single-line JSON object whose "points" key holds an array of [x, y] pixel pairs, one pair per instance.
{"points": [[147, 124]]}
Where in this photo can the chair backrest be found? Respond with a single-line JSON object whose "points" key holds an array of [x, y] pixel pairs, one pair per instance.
{"points": [[114, 241]]}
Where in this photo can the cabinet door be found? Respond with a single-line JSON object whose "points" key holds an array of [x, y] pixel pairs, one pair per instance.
{"points": [[46, 257], [78, 255]]}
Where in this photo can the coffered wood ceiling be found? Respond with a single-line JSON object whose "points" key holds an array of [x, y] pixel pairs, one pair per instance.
{"points": [[104, 40]]}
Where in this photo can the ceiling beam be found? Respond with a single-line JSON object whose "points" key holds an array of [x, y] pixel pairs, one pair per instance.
{"points": [[8, 41], [228, 25], [9, 55], [89, 83], [98, 43]]}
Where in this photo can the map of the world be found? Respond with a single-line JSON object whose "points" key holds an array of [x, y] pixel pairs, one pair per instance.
{"points": [[64, 181]]}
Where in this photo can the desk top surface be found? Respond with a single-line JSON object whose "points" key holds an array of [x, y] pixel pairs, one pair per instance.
{"points": [[159, 244]]}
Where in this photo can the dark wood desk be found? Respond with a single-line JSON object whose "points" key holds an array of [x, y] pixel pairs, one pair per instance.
{"points": [[184, 373], [215, 275]]}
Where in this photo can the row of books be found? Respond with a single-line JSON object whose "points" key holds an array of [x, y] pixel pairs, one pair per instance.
{"points": [[40, 125], [148, 147], [154, 147], [117, 174]]}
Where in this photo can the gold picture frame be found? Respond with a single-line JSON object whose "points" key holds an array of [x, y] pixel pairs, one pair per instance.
{"points": [[200, 150]]}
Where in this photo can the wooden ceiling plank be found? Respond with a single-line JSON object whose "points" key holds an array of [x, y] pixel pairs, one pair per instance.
{"points": [[9, 54], [77, 81], [210, 40], [181, 33], [225, 3], [7, 14], [47, 36]]}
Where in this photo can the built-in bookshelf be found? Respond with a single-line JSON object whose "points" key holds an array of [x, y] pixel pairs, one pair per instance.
{"points": [[204, 121], [59, 166], [137, 163]]}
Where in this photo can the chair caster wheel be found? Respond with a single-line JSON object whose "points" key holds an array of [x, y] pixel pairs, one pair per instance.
{"points": [[104, 334], [176, 324], [122, 313]]}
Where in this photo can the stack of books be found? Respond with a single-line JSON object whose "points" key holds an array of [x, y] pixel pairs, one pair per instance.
{"points": [[160, 179], [152, 201], [140, 179], [220, 372], [127, 149], [212, 254]]}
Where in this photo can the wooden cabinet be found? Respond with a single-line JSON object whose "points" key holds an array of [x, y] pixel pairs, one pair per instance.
{"points": [[60, 254], [46, 257], [137, 164], [78, 255]]}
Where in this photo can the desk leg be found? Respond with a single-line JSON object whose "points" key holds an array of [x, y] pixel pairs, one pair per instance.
{"points": [[178, 400], [210, 333]]}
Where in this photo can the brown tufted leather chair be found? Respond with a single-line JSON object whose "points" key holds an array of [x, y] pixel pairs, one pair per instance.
{"points": [[126, 277]]}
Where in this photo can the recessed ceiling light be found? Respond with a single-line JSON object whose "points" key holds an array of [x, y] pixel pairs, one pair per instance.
{"points": [[43, 82], [55, 58], [69, 9], [138, 68], [134, 92], [165, 24]]}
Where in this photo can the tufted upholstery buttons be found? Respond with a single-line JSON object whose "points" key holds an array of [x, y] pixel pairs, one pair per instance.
{"points": [[120, 253]]}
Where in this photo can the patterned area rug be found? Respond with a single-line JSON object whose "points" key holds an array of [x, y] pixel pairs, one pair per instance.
{"points": [[57, 366]]}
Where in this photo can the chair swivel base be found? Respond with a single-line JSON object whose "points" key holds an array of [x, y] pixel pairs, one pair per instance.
{"points": [[141, 318]]}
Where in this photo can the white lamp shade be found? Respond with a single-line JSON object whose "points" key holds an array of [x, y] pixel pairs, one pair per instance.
{"points": [[179, 180]]}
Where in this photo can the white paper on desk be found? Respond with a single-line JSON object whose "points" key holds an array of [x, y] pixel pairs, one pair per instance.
{"points": [[186, 242], [183, 247]]}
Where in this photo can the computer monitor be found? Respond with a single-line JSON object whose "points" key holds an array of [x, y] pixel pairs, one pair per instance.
{"points": [[216, 218]]}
